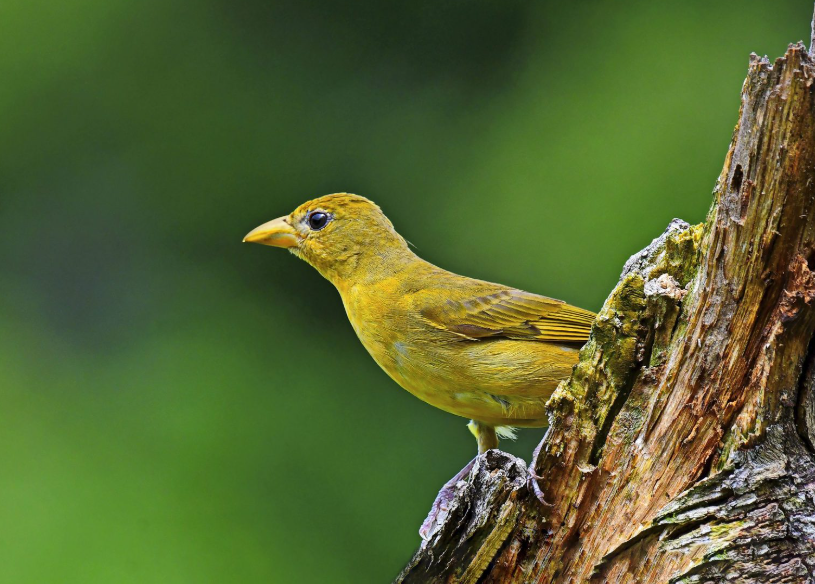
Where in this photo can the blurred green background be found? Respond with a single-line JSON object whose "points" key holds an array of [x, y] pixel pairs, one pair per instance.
{"points": [[178, 407]]}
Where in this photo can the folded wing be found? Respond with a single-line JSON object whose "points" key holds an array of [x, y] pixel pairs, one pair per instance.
{"points": [[512, 314]]}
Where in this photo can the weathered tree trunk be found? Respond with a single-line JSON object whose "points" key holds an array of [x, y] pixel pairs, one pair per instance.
{"points": [[681, 448]]}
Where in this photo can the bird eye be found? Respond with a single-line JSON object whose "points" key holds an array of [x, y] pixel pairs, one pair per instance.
{"points": [[317, 220]]}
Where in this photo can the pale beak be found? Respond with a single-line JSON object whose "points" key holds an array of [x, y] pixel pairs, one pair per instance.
{"points": [[276, 233]]}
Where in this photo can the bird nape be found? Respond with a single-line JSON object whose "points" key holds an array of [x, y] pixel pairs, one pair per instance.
{"points": [[480, 350]]}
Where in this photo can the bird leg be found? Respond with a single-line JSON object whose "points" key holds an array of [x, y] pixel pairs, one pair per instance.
{"points": [[484, 434], [487, 439]]}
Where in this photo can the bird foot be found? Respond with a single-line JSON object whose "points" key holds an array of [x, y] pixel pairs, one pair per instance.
{"points": [[532, 480], [441, 506]]}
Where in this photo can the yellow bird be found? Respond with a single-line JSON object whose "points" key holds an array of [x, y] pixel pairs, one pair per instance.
{"points": [[483, 351]]}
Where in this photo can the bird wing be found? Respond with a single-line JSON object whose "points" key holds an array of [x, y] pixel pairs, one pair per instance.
{"points": [[513, 314]]}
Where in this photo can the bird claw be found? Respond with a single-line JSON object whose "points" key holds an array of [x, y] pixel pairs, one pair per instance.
{"points": [[532, 480], [441, 506]]}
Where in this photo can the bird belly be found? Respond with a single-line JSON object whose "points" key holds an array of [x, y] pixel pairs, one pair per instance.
{"points": [[498, 381], [493, 381]]}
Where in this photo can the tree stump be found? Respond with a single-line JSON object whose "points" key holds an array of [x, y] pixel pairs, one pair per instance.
{"points": [[682, 447]]}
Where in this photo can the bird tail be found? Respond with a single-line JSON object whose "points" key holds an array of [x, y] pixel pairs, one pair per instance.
{"points": [[506, 432]]}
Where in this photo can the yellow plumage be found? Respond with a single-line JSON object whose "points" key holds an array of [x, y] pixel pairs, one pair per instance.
{"points": [[472, 348]]}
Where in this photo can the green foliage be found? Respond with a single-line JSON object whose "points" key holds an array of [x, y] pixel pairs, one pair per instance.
{"points": [[178, 407]]}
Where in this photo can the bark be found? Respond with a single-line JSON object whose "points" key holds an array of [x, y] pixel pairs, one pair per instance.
{"points": [[681, 448]]}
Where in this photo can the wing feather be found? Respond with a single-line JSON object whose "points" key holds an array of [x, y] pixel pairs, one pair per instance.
{"points": [[513, 314]]}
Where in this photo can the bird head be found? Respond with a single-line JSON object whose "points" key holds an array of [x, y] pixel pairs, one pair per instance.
{"points": [[343, 236]]}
